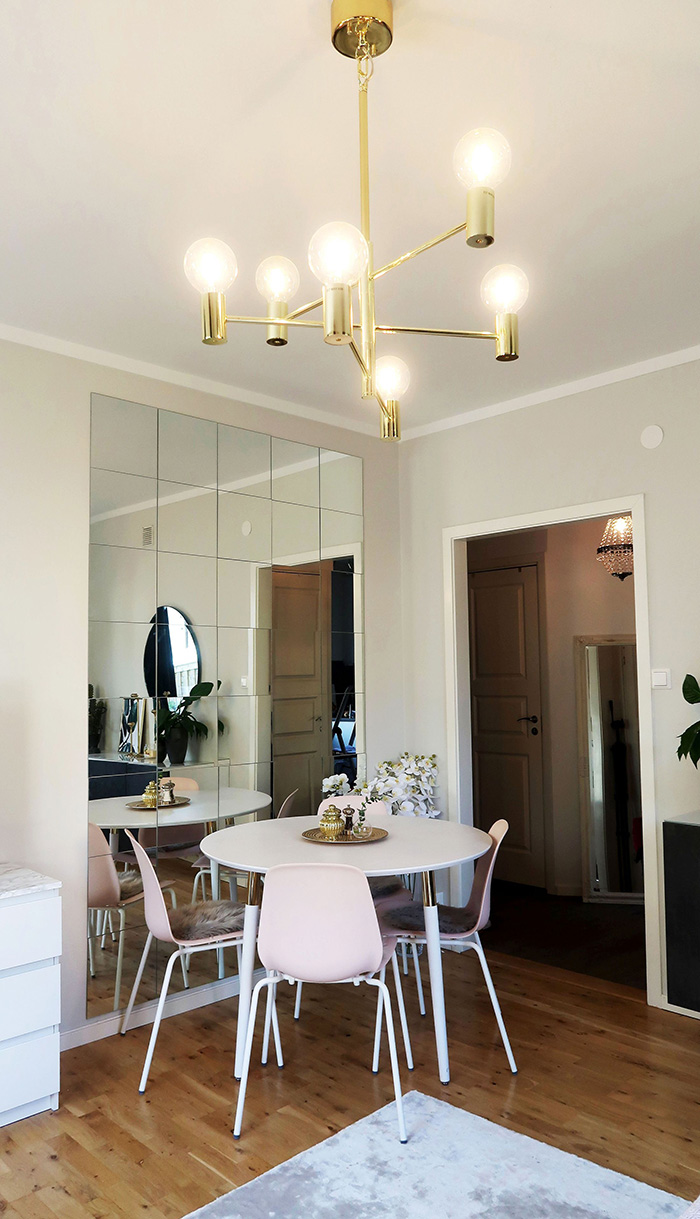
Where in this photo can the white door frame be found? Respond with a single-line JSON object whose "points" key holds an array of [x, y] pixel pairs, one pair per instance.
{"points": [[459, 804]]}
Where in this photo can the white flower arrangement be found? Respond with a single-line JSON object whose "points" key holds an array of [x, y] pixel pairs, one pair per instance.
{"points": [[407, 786], [335, 785]]}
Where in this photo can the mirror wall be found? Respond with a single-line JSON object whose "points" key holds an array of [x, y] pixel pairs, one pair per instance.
{"points": [[226, 567]]}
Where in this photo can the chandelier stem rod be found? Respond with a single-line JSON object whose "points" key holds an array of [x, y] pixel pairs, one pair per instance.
{"points": [[363, 367], [428, 245], [265, 321], [366, 286], [305, 309], [456, 334]]}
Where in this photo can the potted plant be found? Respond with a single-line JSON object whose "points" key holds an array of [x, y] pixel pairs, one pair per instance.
{"points": [[176, 727], [97, 714], [690, 740]]}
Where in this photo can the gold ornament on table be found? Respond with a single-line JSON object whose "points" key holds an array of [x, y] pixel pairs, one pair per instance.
{"points": [[341, 256], [150, 796], [332, 824], [167, 792]]}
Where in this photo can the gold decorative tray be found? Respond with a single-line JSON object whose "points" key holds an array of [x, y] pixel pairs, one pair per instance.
{"points": [[345, 840], [176, 803]]}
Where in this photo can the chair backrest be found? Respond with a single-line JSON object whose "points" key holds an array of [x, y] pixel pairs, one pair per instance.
{"points": [[103, 880], [286, 807], [355, 800], [479, 904], [184, 784], [173, 835], [155, 909], [318, 922]]}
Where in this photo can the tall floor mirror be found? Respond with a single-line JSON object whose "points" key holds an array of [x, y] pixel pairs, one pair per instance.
{"points": [[225, 567]]}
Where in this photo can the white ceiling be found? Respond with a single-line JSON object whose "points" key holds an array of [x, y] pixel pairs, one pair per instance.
{"points": [[132, 128]]}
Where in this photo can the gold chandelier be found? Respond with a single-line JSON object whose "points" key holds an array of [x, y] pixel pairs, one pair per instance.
{"points": [[341, 256], [616, 550]]}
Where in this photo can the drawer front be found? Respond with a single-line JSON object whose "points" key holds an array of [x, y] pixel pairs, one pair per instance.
{"points": [[30, 1001], [30, 931], [28, 1071]]}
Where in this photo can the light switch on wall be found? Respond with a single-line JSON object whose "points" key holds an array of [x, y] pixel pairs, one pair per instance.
{"points": [[661, 679]]}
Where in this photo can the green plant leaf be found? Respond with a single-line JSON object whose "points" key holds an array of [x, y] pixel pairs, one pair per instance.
{"points": [[690, 743], [203, 688], [691, 689], [221, 727]]}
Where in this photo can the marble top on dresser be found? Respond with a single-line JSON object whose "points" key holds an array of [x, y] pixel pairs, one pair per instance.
{"points": [[20, 882]]}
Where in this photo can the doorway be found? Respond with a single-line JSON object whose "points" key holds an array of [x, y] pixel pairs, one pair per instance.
{"points": [[555, 747]]}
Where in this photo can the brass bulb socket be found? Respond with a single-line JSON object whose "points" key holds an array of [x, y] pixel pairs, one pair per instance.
{"points": [[375, 17], [480, 212], [277, 335], [507, 336], [213, 318], [391, 421], [337, 314]]}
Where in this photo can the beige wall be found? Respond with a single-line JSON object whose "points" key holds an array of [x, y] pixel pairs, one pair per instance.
{"points": [[580, 598], [576, 450], [44, 475]]}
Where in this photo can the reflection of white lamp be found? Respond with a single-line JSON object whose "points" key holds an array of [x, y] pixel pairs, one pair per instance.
{"points": [[616, 548]]}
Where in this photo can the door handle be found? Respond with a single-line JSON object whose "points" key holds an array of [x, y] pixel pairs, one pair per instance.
{"points": [[531, 719]]}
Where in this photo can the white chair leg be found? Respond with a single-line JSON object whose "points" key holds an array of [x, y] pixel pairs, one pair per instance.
{"points": [[183, 963], [250, 1032], [91, 951], [384, 993], [156, 1022], [276, 1029], [120, 959], [494, 1003], [231, 882], [271, 1021], [402, 1013], [268, 1024], [239, 954], [195, 886], [378, 1027], [419, 980], [297, 1002], [137, 982], [111, 925], [404, 957]]}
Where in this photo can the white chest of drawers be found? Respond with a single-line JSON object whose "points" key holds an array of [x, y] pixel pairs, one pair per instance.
{"points": [[30, 993]]}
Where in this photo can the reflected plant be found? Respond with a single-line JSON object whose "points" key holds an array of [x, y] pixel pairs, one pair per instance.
{"points": [[690, 740]]}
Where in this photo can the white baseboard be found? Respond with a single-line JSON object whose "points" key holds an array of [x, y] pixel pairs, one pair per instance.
{"points": [[182, 1001]]}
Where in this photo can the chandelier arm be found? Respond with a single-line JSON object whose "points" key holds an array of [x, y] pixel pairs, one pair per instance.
{"points": [[363, 368], [265, 321], [305, 308], [456, 334], [428, 245]]}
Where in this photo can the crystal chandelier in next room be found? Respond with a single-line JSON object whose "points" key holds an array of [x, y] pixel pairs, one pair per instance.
{"points": [[341, 255]]}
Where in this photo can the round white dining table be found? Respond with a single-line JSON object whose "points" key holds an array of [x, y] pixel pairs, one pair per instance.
{"points": [[114, 814], [414, 845]]}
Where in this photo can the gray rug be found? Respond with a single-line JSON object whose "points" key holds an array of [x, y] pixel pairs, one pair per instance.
{"points": [[454, 1166]]}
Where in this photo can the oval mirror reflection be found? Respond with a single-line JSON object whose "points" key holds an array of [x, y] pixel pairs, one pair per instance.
{"points": [[171, 660]]}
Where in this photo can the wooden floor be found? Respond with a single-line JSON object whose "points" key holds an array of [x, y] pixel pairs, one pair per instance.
{"points": [[601, 1075]]}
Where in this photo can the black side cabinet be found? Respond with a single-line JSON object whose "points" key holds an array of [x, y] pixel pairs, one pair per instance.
{"points": [[682, 885]]}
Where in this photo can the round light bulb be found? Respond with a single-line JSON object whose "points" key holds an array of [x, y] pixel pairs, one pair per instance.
{"points": [[338, 254], [504, 289], [482, 158], [210, 265], [277, 279], [392, 378]]}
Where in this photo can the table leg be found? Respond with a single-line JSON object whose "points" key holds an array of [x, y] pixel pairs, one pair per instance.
{"points": [[114, 841], [437, 990], [215, 894], [245, 977]]}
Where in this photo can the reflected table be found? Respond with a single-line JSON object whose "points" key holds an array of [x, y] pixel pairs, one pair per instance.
{"points": [[113, 814], [416, 845]]}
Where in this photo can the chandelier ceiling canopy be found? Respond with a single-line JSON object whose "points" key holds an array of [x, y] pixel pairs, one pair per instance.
{"points": [[341, 255]]}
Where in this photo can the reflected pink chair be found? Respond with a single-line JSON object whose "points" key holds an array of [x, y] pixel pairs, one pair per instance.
{"points": [[110, 891], [209, 925], [458, 925], [286, 806], [318, 924]]}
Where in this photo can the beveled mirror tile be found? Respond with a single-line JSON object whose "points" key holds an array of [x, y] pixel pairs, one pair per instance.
{"points": [[188, 583], [186, 449], [361, 768], [341, 535], [360, 662], [122, 586], [244, 661], [245, 528], [123, 436], [186, 519], [115, 658], [295, 472], [246, 737], [341, 482], [295, 534], [205, 776], [122, 510], [244, 461], [105, 731], [244, 594], [360, 742]]}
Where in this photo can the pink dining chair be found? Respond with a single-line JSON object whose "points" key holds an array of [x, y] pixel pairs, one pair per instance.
{"points": [[303, 936], [458, 925], [110, 892], [286, 806], [197, 928]]}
